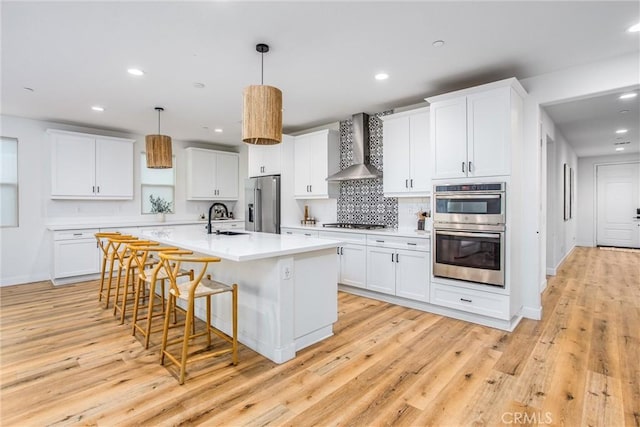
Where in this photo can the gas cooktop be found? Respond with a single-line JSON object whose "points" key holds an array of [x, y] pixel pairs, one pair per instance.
{"points": [[352, 225]]}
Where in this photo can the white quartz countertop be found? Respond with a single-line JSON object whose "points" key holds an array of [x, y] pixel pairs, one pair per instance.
{"points": [[380, 231], [114, 223], [242, 247]]}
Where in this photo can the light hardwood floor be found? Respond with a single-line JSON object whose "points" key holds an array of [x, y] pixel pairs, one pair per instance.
{"points": [[66, 361]]}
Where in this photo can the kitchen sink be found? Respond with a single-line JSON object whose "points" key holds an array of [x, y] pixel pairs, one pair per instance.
{"points": [[229, 233]]}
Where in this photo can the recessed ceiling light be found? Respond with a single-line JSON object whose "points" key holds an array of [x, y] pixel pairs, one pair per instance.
{"points": [[623, 111], [438, 43], [97, 108], [382, 76], [634, 28], [198, 85], [135, 72], [628, 95], [29, 89], [218, 130], [621, 131], [619, 148]]}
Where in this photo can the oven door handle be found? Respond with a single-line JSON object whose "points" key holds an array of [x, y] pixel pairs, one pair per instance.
{"points": [[467, 196], [465, 234]]}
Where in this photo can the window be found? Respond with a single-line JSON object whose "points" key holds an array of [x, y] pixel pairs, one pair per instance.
{"points": [[8, 182], [156, 183]]}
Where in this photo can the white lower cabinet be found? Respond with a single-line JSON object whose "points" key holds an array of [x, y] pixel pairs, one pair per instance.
{"points": [[298, 232], [473, 301], [75, 253], [352, 257], [395, 271]]}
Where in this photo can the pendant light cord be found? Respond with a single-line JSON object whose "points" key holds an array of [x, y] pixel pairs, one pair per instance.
{"points": [[262, 68], [158, 122]]}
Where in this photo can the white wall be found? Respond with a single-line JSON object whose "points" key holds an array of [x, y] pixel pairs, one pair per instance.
{"points": [[26, 250], [586, 203], [571, 83], [563, 239]]}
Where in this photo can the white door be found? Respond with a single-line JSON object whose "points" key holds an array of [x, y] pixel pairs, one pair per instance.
{"points": [[353, 265], [381, 270], [617, 200], [301, 174], [73, 166], [412, 275], [449, 138], [227, 176], [114, 168], [420, 152], [395, 145], [489, 132]]}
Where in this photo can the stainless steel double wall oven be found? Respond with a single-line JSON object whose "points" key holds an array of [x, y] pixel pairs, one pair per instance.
{"points": [[469, 229]]}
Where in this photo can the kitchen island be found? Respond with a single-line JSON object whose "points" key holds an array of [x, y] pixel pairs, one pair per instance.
{"points": [[287, 286]]}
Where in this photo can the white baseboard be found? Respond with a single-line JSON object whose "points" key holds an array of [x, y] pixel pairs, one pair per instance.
{"points": [[586, 244], [555, 269], [21, 280], [534, 313], [543, 285], [551, 271]]}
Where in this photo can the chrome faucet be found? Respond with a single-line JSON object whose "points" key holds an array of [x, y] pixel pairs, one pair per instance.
{"points": [[213, 207]]}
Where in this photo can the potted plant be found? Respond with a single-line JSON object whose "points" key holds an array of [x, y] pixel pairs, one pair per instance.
{"points": [[159, 206]]}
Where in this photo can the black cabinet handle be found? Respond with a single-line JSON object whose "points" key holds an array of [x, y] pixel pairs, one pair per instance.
{"points": [[462, 166], [411, 182], [465, 300]]}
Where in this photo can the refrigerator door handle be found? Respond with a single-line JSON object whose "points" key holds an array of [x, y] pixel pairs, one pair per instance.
{"points": [[250, 212], [257, 196]]}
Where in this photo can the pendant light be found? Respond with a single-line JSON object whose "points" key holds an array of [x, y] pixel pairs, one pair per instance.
{"points": [[262, 110], [159, 155]]}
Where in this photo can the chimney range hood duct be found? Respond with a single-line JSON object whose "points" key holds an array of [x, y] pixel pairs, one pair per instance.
{"points": [[361, 168]]}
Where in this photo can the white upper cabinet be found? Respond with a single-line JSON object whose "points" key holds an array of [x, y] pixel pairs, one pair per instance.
{"points": [[264, 159], [405, 144], [316, 156], [211, 175], [472, 131], [85, 166]]}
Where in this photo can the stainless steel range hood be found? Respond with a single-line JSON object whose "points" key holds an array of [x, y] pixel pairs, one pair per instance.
{"points": [[361, 168]]}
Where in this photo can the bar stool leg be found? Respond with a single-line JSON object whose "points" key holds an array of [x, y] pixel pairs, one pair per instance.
{"points": [[209, 321], [185, 342], [152, 295], [111, 262], [165, 331], [234, 302], [104, 267]]}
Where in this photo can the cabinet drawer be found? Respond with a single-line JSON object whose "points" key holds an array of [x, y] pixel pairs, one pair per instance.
{"points": [[359, 239], [75, 234], [298, 232], [484, 303], [410, 243]]}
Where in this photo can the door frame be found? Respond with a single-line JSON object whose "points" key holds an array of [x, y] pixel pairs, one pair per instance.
{"points": [[595, 194]]}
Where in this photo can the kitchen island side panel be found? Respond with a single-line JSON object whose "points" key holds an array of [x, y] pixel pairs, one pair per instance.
{"points": [[284, 303]]}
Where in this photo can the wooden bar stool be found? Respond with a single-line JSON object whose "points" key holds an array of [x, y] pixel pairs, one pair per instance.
{"points": [[126, 263], [149, 278], [105, 248], [198, 287], [110, 245]]}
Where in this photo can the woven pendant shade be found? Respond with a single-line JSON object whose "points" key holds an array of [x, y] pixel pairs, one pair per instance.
{"points": [[262, 115], [159, 154]]}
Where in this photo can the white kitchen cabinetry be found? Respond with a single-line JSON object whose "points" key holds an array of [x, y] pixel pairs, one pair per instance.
{"points": [[75, 253], [264, 160], [470, 300], [352, 257], [398, 266], [472, 130], [85, 166], [298, 232], [316, 156], [406, 152], [211, 175]]}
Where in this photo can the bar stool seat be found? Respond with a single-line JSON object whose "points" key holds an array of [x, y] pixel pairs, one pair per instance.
{"points": [[126, 263], [149, 278], [189, 291]]}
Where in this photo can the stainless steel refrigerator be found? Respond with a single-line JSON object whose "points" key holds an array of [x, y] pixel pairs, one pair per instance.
{"points": [[262, 204]]}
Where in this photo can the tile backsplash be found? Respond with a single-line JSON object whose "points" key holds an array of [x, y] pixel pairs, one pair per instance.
{"points": [[362, 201]]}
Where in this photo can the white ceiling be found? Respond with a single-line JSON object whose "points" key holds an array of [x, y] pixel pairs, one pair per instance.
{"points": [[323, 56]]}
